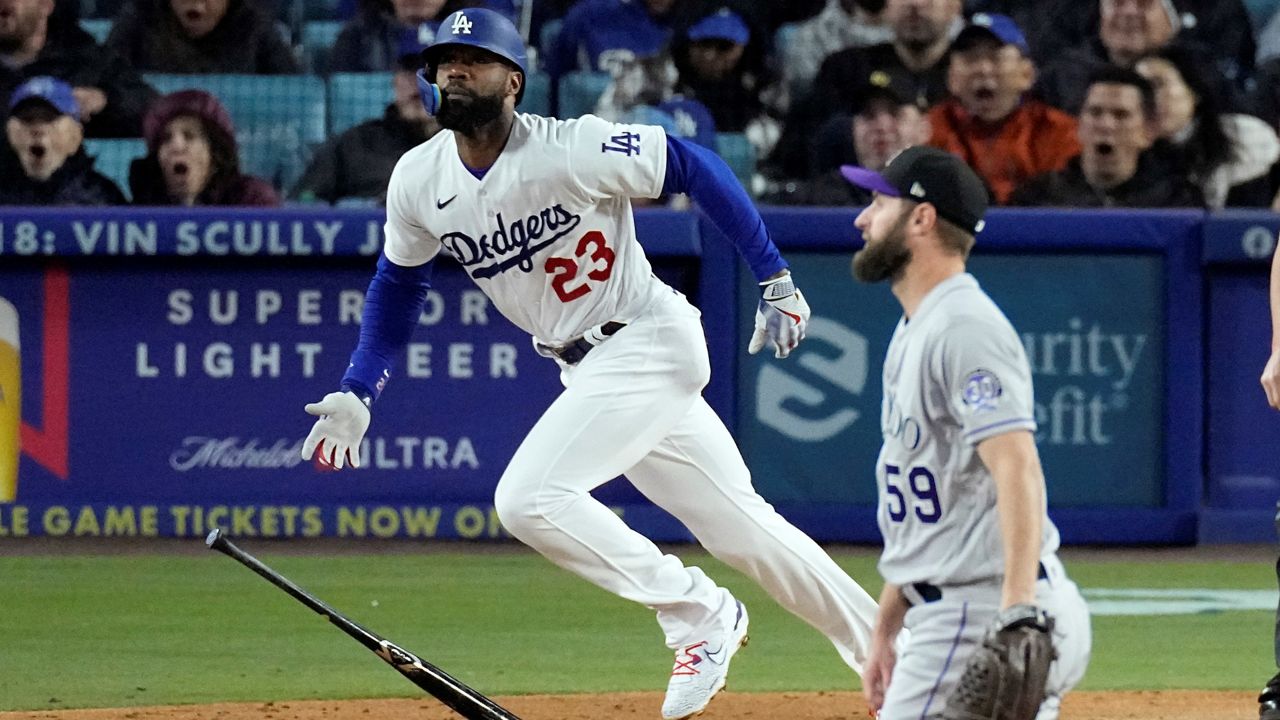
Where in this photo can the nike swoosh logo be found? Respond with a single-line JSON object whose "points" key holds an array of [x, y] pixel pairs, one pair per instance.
{"points": [[713, 656], [440, 204]]}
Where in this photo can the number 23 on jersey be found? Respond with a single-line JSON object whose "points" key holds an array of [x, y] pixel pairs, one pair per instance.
{"points": [[592, 253]]}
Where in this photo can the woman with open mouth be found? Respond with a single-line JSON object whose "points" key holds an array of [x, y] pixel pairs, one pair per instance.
{"points": [[192, 157]]}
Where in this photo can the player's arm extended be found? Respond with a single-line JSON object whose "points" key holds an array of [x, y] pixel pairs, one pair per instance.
{"points": [[1014, 463], [704, 177], [392, 305]]}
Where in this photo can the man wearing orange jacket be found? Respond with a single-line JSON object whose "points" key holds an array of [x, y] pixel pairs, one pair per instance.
{"points": [[1005, 137]]}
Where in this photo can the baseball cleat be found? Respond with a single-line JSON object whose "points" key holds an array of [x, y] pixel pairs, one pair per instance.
{"points": [[1269, 700], [701, 669]]}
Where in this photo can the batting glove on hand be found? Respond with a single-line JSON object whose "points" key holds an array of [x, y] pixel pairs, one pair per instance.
{"points": [[343, 420], [781, 317]]}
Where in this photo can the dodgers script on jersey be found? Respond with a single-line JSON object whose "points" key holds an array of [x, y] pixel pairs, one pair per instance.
{"points": [[547, 233], [954, 375]]}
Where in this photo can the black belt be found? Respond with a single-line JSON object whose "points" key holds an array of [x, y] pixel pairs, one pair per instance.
{"points": [[933, 593], [571, 353]]}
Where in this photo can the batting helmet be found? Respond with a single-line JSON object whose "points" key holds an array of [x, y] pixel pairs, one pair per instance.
{"points": [[484, 29]]}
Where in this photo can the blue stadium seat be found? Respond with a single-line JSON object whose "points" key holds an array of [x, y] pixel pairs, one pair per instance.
{"points": [[537, 95], [318, 37], [740, 155], [99, 28], [356, 97], [112, 158], [279, 118], [579, 92]]}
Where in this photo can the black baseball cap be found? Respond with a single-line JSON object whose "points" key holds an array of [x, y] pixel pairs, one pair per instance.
{"points": [[927, 174], [882, 85]]}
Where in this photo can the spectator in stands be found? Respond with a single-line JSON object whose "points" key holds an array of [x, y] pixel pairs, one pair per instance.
{"points": [[842, 24], [111, 96], [599, 34], [644, 92], [887, 118], [1227, 155], [358, 163], [1264, 101], [1129, 29], [192, 157], [711, 71], [200, 36], [1115, 166], [1006, 138], [371, 41], [47, 164], [915, 59]]}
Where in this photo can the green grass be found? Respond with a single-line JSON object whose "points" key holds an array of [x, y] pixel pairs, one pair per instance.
{"points": [[140, 630]]}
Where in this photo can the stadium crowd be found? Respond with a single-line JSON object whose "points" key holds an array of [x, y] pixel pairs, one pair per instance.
{"points": [[1079, 103]]}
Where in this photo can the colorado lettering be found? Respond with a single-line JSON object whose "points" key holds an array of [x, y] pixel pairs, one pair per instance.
{"points": [[511, 247]]}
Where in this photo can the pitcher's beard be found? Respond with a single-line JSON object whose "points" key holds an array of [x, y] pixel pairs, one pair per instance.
{"points": [[884, 260], [467, 117]]}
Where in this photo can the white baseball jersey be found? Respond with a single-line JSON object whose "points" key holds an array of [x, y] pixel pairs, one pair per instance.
{"points": [[954, 375], [547, 233]]}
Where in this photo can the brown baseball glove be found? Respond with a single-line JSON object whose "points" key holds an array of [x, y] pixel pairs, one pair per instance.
{"points": [[1005, 678]]}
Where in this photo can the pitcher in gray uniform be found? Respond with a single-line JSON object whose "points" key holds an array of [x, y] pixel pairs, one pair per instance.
{"points": [[961, 492]]}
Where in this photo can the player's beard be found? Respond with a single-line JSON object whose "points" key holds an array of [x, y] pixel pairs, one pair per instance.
{"points": [[466, 117], [884, 260]]}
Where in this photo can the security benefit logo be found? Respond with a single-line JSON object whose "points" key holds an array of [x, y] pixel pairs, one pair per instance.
{"points": [[1086, 377], [817, 402]]}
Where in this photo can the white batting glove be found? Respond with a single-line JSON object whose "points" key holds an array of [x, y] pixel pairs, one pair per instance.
{"points": [[781, 317], [343, 421]]}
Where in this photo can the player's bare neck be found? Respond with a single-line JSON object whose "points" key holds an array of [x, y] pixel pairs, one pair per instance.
{"points": [[480, 149], [920, 277]]}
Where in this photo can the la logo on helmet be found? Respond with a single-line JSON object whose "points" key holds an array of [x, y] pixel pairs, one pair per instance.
{"points": [[461, 25]]}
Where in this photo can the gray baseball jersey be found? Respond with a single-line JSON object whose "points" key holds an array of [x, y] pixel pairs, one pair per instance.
{"points": [[955, 374]]}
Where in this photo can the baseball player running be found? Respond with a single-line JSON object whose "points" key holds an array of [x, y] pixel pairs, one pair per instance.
{"points": [[969, 559], [537, 211]]}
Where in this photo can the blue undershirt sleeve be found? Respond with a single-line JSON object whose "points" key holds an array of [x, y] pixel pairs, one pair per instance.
{"points": [[703, 176], [392, 305]]}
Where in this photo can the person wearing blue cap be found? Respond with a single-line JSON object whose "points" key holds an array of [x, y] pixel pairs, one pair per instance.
{"points": [[46, 163], [988, 121], [598, 34], [712, 70], [538, 212]]}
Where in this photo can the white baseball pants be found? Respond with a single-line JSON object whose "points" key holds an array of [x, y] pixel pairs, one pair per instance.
{"points": [[633, 406]]}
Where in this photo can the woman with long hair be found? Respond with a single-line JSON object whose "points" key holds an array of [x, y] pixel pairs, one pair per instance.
{"points": [[192, 157], [1227, 155]]}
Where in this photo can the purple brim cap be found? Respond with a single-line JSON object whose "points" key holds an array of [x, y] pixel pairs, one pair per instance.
{"points": [[868, 180]]}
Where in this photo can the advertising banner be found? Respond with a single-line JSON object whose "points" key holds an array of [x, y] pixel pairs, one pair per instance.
{"points": [[1092, 327], [169, 402]]}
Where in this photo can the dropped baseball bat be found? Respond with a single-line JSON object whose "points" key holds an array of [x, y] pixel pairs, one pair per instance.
{"points": [[465, 701]]}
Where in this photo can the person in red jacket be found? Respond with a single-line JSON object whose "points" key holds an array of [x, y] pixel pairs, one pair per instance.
{"points": [[989, 122], [192, 157]]}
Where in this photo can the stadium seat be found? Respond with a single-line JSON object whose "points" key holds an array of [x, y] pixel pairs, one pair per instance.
{"points": [[740, 155], [112, 158], [318, 37], [356, 97], [579, 92], [537, 95], [279, 118], [99, 28]]}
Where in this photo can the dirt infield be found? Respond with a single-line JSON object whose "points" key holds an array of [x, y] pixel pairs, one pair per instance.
{"points": [[1144, 705]]}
